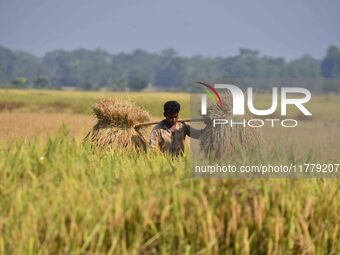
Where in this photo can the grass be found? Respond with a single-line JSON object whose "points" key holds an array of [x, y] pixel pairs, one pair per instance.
{"points": [[59, 197]]}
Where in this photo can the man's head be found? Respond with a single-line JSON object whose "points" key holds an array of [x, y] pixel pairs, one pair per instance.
{"points": [[171, 110]]}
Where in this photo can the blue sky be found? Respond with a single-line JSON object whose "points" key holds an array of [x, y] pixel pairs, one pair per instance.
{"points": [[210, 28]]}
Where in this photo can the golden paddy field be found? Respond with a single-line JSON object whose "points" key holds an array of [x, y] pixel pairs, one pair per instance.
{"points": [[59, 197]]}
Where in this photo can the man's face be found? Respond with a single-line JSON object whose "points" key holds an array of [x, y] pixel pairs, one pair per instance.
{"points": [[171, 119]]}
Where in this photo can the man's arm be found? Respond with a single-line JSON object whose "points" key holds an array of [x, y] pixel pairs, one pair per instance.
{"points": [[193, 132], [196, 133]]}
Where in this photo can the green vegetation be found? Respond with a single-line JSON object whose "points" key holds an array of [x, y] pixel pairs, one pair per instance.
{"points": [[20, 82], [95, 69]]}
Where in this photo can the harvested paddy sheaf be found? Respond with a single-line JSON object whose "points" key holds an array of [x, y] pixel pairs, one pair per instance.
{"points": [[223, 139], [115, 125]]}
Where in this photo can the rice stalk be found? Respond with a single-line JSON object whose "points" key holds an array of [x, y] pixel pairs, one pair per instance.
{"points": [[224, 140], [115, 125]]}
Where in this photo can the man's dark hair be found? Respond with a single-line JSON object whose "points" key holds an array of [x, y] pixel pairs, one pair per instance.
{"points": [[171, 107]]}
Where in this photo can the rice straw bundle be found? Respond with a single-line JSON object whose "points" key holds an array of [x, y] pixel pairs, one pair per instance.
{"points": [[115, 125], [223, 140]]}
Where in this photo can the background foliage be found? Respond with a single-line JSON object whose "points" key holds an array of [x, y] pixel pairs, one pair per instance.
{"points": [[95, 69]]}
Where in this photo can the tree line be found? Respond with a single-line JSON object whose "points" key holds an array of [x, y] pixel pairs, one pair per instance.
{"points": [[96, 69]]}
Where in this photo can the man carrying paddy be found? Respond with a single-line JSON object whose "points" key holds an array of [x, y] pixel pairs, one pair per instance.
{"points": [[168, 136]]}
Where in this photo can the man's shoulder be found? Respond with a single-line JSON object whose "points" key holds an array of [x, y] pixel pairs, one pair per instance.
{"points": [[160, 125]]}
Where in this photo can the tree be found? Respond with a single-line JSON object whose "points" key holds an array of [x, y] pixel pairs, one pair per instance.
{"points": [[41, 82], [331, 85], [118, 85], [330, 69], [6, 56], [137, 84], [330, 65], [93, 69], [171, 73], [20, 82], [306, 67], [85, 85], [169, 53]]}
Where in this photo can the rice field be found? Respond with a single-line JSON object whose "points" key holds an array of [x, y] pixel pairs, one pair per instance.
{"points": [[58, 196]]}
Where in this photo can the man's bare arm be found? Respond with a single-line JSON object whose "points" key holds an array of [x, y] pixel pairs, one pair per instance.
{"points": [[193, 132]]}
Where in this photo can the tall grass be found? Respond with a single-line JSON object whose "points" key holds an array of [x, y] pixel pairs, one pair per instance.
{"points": [[60, 197]]}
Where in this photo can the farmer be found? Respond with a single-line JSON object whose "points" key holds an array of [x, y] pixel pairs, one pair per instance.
{"points": [[168, 135]]}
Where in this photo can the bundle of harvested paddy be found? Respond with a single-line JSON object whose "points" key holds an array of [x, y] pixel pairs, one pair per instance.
{"points": [[223, 140], [115, 125]]}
